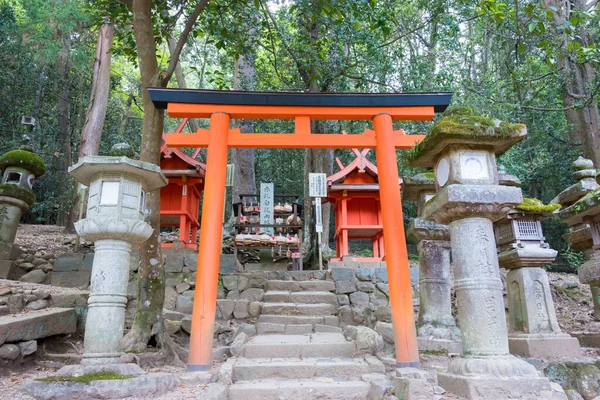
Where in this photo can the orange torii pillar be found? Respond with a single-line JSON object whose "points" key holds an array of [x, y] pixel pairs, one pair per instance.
{"points": [[207, 278], [220, 107]]}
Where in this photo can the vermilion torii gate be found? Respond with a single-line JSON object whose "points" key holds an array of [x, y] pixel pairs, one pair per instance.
{"points": [[221, 106]]}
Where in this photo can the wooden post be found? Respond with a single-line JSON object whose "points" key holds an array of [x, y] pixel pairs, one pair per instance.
{"points": [[405, 335], [205, 300]]}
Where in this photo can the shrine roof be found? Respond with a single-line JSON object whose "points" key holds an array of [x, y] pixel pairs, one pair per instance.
{"points": [[360, 164], [161, 97], [190, 161]]}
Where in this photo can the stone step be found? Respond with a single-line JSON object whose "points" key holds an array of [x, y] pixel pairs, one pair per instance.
{"points": [[253, 369], [330, 320], [317, 309], [263, 328], [37, 324], [299, 286], [310, 389], [309, 297], [299, 346]]}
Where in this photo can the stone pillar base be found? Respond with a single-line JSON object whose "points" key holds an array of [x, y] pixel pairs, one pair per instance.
{"points": [[476, 387], [439, 345], [534, 346], [6, 269], [493, 377]]}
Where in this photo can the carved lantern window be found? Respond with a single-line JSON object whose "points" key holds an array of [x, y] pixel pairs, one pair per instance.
{"points": [[594, 223], [520, 231]]}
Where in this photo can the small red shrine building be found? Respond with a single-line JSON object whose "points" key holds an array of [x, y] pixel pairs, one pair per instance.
{"points": [[354, 193], [180, 199]]}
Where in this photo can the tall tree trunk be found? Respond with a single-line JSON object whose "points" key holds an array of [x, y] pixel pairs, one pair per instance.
{"points": [[126, 116], [151, 274], [243, 159], [64, 132], [182, 83], [96, 111]]}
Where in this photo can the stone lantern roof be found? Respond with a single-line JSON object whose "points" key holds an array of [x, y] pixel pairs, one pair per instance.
{"points": [[461, 126], [413, 185], [536, 207], [585, 174], [87, 167], [587, 206], [23, 159]]}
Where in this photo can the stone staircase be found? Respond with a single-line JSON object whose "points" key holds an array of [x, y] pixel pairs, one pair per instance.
{"points": [[298, 307], [300, 351]]}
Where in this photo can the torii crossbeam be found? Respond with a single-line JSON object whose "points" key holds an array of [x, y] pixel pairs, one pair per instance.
{"points": [[221, 106]]}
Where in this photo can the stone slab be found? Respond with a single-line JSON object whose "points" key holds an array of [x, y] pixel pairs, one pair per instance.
{"points": [[144, 385], [276, 296], [299, 346], [439, 345], [266, 327], [256, 369], [72, 279], [497, 388], [317, 286], [313, 297], [37, 324], [587, 339], [68, 262], [298, 329], [291, 319], [298, 309], [7, 269], [318, 388], [226, 263], [549, 347]]}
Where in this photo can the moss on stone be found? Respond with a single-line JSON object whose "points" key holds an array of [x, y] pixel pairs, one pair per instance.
{"points": [[429, 175], [434, 352], [18, 192], [461, 124], [23, 159], [88, 378], [537, 206]]}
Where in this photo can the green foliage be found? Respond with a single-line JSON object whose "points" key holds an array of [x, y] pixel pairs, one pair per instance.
{"points": [[16, 191], [23, 159], [573, 257], [88, 378]]}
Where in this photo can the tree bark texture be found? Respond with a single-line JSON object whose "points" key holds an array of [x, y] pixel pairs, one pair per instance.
{"points": [[181, 82], [64, 129], [96, 110]]}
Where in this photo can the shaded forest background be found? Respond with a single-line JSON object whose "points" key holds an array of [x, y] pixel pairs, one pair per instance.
{"points": [[527, 61]]}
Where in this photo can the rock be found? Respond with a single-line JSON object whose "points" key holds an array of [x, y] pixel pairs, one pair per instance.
{"points": [[243, 282], [9, 352], [226, 307], [573, 395], [383, 313], [233, 295], [172, 315], [182, 287], [342, 274], [252, 294], [248, 329], [381, 275], [41, 294], [35, 276], [27, 348], [238, 344], [170, 298], [438, 390], [38, 261], [172, 326], [254, 309], [4, 310], [359, 298], [365, 274], [346, 315], [74, 279], [186, 324], [221, 353], [365, 286], [37, 305], [367, 340], [580, 376], [38, 324], [4, 291], [230, 282], [46, 267], [185, 304], [386, 330], [343, 300], [241, 309], [343, 287], [385, 288], [68, 262], [27, 266], [174, 263]]}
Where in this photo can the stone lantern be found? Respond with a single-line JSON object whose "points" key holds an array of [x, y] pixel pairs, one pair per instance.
{"points": [[533, 327], [20, 168], [574, 200], [436, 328], [114, 222], [462, 148]]}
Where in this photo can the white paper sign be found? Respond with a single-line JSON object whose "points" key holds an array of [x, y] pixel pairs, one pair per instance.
{"points": [[318, 215], [317, 184], [266, 205]]}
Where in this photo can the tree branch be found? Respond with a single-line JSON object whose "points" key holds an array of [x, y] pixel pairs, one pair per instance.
{"points": [[182, 39]]}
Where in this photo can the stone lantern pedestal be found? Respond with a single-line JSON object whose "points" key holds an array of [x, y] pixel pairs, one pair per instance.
{"points": [[533, 328], [20, 168], [463, 147], [581, 211], [436, 328]]}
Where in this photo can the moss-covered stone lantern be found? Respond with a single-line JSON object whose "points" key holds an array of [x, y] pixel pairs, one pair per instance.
{"points": [[436, 327], [579, 210], [462, 147], [533, 327], [19, 170], [114, 222]]}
